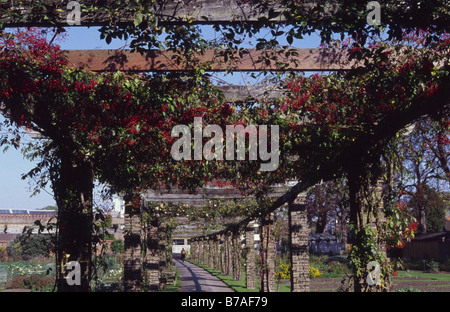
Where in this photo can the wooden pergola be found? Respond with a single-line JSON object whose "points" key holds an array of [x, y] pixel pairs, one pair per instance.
{"points": [[205, 248]]}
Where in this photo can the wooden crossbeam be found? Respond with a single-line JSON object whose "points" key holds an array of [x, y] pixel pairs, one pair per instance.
{"points": [[250, 60], [202, 196], [31, 13]]}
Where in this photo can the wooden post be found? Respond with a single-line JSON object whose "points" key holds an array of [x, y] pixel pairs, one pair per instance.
{"points": [[298, 241]]}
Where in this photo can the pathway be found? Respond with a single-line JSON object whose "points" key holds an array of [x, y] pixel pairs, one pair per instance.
{"points": [[196, 279]]}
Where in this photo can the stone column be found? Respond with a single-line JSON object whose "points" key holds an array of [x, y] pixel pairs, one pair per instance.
{"points": [[236, 257], [229, 269], [267, 252], [152, 255], [250, 256], [298, 240], [132, 260], [194, 249], [222, 254], [205, 251], [210, 252], [217, 252], [199, 250]]}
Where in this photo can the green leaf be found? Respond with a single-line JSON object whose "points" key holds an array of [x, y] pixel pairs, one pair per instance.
{"points": [[290, 39], [138, 18]]}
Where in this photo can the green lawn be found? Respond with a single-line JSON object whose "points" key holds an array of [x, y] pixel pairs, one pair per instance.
{"points": [[426, 276], [318, 283]]}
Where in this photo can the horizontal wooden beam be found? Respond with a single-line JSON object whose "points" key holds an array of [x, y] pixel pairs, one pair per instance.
{"points": [[15, 13], [203, 196], [215, 60]]}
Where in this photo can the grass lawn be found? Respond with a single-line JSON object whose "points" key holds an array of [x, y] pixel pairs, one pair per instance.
{"points": [[443, 277], [412, 280]]}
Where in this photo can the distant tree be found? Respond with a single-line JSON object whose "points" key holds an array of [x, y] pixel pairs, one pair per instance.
{"points": [[49, 208], [27, 246], [325, 204], [434, 206], [426, 158]]}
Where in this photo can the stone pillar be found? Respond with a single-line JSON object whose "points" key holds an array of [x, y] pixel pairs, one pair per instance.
{"points": [[205, 251], [200, 250], [152, 255], [217, 252], [236, 256], [298, 240], [132, 260], [267, 252], [229, 264], [163, 258], [210, 252], [194, 249], [250, 256], [222, 254]]}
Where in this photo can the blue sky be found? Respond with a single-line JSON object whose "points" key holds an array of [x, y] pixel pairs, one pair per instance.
{"points": [[15, 193]]}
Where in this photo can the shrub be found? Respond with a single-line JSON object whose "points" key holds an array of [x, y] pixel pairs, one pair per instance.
{"points": [[314, 272], [27, 246], [2, 253], [330, 266], [445, 265], [117, 246], [432, 266], [337, 267], [45, 283], [36, 282]]}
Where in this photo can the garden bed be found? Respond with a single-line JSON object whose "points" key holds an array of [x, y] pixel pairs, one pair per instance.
{"points": [[412, 281]]}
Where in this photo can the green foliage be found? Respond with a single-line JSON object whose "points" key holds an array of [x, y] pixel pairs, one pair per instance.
{"points": [[330, 266], [117, 246], [434, 208], [432, 266], [27, 246]]}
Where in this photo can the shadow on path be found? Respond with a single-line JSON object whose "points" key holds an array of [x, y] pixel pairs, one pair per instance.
{"points": [[196, 279]]}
